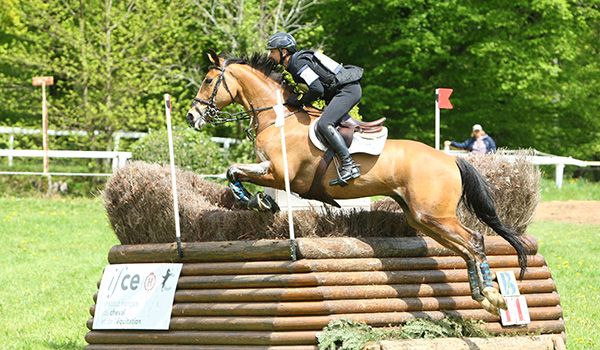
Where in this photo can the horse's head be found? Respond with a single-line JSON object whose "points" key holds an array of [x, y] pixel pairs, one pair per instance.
{"points": [[214, 94]]}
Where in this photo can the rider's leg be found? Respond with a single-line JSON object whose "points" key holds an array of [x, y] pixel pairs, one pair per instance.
{"points": [[336, 110]]}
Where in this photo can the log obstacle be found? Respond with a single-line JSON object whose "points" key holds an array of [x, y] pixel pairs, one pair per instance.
{"points": [[249, 295]]}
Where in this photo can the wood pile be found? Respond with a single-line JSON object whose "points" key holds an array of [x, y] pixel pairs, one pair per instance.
{"points": [[250, 295]]}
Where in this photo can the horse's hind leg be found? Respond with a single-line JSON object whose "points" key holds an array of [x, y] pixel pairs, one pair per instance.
{"points": [[472, 245], [468, 244]]}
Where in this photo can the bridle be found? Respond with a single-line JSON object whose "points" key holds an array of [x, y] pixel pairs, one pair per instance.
{"points": [[212, 112], [215, 117]]}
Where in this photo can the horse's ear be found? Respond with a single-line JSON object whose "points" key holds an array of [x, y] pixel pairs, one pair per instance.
{"points": [[214, 58]]}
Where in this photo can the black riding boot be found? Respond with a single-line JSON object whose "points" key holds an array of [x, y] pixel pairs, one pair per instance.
{"points": [[349, 169]]}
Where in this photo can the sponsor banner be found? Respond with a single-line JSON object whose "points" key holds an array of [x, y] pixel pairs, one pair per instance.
{"points": [[136, 296]]}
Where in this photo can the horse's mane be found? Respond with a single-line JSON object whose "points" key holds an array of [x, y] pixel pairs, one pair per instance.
{"points": [[260, 62]]}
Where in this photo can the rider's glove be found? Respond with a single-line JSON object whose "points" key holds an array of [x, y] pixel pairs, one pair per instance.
{"points": [[294, 100]]}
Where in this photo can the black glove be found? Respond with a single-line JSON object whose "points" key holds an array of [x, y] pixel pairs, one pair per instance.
{"points": [[293, 100]]}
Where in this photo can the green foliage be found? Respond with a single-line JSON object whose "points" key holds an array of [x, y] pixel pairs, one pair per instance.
{"points": [[525, 70], [351, 335], [193, 151]]}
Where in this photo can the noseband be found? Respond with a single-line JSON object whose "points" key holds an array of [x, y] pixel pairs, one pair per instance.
{"points": [[214, 116], [212, 112]]}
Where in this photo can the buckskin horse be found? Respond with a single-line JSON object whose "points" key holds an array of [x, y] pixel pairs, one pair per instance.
{"points": [[428, 184]]}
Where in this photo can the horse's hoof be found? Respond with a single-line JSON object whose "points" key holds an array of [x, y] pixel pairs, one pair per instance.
{"points": [[494, 297], [270, 203], [489, 307], [263, 203]]}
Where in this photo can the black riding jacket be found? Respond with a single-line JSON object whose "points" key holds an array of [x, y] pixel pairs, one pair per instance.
{"points": [[322, 75]]}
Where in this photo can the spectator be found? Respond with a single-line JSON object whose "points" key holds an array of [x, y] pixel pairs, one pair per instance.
{"points": [[479, 143]]}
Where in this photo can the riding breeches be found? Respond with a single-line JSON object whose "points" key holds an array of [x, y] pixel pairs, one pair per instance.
{"points": [[339, 106]]}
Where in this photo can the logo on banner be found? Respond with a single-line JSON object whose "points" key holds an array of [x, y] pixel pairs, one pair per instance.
{"points": [[136, 296], [517, 312]]}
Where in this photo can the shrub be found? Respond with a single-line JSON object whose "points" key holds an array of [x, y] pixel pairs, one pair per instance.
{"points": [[193, 151]]}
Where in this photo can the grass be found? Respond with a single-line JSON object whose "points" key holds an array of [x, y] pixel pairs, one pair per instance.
{"points": [[572, 189], [53, 253], [573, 255]]}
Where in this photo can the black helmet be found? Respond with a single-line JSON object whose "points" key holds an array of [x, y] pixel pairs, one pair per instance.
{"points": [[282, 41]]}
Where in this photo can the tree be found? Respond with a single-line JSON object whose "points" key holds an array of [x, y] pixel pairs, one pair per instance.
{"points": [[103, 56], [517, 67]]}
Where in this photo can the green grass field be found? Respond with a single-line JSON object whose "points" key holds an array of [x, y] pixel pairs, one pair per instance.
{"points": [[53, 252], [51, 257]]}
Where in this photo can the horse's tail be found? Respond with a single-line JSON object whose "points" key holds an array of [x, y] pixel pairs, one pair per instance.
{"points": [[479, 200]]}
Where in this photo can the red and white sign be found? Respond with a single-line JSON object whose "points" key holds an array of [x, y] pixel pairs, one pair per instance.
{"points": [[517, 312], [136, 296]]}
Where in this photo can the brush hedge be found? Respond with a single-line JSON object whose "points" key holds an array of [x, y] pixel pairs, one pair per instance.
{"points": [[139, 204]]}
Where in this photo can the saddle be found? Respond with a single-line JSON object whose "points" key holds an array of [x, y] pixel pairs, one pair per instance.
{"points": [[347, 129]]}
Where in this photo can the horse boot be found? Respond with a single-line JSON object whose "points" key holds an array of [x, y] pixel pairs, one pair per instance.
{"points": [[349, 169]]}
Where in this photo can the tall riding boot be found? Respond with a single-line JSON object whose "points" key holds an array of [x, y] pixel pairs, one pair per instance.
{"points": [[349, 169]]}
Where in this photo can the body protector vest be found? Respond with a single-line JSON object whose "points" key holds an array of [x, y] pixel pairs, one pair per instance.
{"points": [[312, 65]]}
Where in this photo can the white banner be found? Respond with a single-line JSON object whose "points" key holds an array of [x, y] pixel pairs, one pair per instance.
{"points": [[136, 296], [517, 312]]}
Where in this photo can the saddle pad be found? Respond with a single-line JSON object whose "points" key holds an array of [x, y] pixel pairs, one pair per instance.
{"points": [[362, 142]]}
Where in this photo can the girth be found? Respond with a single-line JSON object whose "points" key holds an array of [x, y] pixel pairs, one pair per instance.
{"points": [[346, 129]]}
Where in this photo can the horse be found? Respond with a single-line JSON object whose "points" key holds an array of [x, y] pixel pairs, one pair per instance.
{"points": [[427, 183]]}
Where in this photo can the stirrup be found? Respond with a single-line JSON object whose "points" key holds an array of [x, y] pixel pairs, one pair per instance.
{"points": [[343, 181]]}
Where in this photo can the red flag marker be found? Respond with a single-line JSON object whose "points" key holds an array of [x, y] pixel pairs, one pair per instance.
{"points": [[444, 98]]}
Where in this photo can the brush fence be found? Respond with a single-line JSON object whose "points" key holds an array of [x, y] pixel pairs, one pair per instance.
{"points": [[249, 295]]}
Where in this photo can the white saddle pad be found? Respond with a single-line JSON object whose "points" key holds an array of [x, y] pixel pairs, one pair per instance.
{"points": [[363, 143]]}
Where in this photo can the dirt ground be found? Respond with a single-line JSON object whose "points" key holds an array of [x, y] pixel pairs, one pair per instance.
{"points": [[579, 212]]}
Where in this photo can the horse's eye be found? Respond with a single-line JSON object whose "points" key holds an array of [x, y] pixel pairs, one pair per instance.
{"points": [[209, 81]]}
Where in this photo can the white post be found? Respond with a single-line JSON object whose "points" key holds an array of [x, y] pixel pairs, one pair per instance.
{"points": [[173, 177], [437, 119], [280, 122], [560, 169], [11, 141]]}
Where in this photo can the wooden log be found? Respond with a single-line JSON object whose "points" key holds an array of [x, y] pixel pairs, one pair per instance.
{"points": [[268, 338], [298, 323], [347, 265], [341, 292], [314, 279], [307, 308], [202, 338], [346, 292], [540, 342], [369, 247], [202, 251], [308, 248], [195, 347], [546, 327], [298, 308]]}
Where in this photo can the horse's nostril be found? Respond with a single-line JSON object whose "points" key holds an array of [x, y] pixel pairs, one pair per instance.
{"points": [[190, 119]]}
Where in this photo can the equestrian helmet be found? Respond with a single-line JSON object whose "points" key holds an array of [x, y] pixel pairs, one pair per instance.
{"points": [[282, 41]]}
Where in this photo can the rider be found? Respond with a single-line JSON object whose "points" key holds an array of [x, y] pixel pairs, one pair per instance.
{"points": [[338, 86]]}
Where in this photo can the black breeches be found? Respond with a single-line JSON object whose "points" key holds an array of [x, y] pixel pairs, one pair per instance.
{"points": [[339, 106]]}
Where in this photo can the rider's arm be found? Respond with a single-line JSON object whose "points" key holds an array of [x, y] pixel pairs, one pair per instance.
{"points": [[308, 75]]}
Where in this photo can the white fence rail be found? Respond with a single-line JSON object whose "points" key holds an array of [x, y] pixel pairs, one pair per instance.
{"points": [[540, 158], [118, 159]]}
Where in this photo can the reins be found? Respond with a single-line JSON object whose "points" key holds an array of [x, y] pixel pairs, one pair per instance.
{"points": [[216, 115]]}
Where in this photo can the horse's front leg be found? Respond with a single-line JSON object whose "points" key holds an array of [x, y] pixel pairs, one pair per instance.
{"points": [[255, 173]]}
